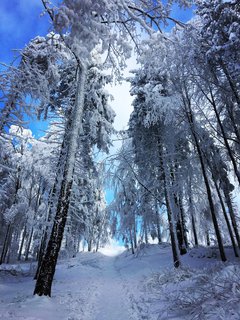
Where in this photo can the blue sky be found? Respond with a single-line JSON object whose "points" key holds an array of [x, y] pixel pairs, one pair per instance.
{"points": [[20, 21]]}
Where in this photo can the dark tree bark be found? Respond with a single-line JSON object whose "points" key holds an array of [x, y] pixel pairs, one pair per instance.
{"points": [[226, 219], [191, 209], [135, 233], [159, 235], [205, 177], [28, 245], [235, 167], [22, 242], [47, 269], [48, 265], [232, 216], [176, 260], [6, 243], [171, 222], [131, 241]]}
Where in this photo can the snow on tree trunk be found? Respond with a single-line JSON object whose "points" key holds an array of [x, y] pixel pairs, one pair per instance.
{"points": [[47, 269]]}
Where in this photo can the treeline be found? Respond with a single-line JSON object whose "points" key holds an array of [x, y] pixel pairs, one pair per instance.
{"points": [[178, 169]]}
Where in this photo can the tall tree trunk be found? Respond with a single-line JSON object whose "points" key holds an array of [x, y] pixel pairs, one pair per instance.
{"points": [[235, 167], [176, 260], [191, 209], [44, 238], [205, 177], [22, 242], [135, 233], [208, 238], [232, 216], [89, 245], [47, 269], [6, 244], [145, 231], [159, 235], [183, 221], [179, 222], [226, 218], [131, 241], [171, 218], [231, 82], [28, 245]]}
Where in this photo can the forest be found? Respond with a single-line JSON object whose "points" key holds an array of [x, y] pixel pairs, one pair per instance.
{"points": [[175, 177]]}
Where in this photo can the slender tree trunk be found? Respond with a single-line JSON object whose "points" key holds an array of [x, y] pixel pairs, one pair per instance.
{"points": [[180, 238], [131, 241], [22, 242], [208, 238], [43, 242], [231, 82], [28, 245], [176, 260], [232, 216], [179, 222], [191, 209], [171, 218], [6, 244], [226, 219], [231, 116], [145, 231], [158, 222], [47, 269], [179, 228], [211, 204], [184, 228], [235, 167], [97, 245], [135, 233], [89, 245], [207, 184]]}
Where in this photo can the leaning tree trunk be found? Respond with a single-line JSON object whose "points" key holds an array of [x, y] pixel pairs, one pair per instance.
{"points": [[45, 235], [232, 215], [205, 178], [6, 243], [47, 269], [226, 218], [230, 153]]}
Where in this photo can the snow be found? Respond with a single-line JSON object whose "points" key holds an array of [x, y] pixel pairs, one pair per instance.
{"points": [[104, 286]]}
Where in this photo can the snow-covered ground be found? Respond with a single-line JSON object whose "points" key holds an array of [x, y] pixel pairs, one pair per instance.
{"points": [[96, 286]]}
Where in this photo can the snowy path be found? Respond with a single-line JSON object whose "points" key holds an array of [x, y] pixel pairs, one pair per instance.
{"points": [[89, 287], [94, 286], [112, 301]]}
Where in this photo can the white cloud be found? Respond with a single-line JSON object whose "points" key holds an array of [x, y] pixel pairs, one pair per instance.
{"points": [[122, 103], [122, 99], [18, 131]]}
